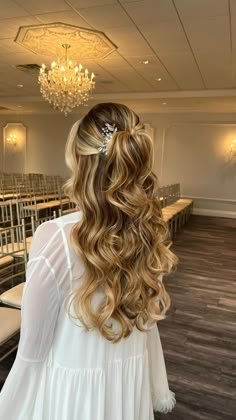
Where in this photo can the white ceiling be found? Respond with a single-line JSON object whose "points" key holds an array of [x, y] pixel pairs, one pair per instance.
{"points": [[190, 44]]}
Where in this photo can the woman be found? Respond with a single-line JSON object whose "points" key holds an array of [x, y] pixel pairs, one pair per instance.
{"points": [[89, 346]]}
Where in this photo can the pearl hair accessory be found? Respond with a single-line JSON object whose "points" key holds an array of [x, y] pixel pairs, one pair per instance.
{"points": [[107, 133]]}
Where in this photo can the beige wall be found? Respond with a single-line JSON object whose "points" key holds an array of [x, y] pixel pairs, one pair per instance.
{"points": [[190, 149], [194, 150], [45, 143]]}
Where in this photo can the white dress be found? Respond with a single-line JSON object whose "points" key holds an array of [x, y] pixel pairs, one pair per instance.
{"points": [[63, 372]]}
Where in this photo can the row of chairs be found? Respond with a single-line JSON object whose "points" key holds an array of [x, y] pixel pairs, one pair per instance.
{"points": [[21, 185], [26, 200], [14, 249], [12, 211], [176, 211], [25, 195]]}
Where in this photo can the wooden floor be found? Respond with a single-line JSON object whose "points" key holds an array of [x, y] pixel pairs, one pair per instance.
{"points": [[199, 335]]}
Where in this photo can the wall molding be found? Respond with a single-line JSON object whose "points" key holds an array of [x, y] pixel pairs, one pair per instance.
{"points": [[223, 200], [214, 213], [216, 123]]}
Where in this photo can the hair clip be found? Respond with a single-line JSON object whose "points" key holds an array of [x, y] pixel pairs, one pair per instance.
{"points": [[107, 133]]}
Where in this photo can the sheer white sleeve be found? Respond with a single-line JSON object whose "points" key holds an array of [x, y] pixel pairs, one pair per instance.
{"points": [[40, 306], [162, 398]]}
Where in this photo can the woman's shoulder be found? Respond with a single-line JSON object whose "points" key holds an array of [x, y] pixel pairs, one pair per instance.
{"points": [[73, 217], [48, 237]]}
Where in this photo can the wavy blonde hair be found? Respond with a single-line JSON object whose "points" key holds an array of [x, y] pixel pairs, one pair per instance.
{"points": [[121, 239]]}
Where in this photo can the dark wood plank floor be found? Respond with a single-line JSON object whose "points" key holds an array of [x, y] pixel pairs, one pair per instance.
{"points": [[199, 335]]}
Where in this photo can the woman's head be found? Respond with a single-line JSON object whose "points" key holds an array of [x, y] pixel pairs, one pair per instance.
{"points": [[121, 238], [130, 146]]}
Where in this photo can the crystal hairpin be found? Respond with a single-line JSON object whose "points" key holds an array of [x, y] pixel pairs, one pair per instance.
{"points": [[107, 133]]}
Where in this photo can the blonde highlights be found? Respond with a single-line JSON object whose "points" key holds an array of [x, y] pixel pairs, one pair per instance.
{"points": [[121, 239]]}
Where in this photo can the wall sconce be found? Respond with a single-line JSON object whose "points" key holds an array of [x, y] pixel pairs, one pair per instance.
{"points": [[14, 148], [12, 139], [233, 148]]}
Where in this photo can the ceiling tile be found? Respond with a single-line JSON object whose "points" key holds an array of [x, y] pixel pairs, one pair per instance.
{"points": [[70, 17], [104, 17], [153, 67], [152, 71], [150, 11], [21, 58], [10, 27], [8, 46], [166, 36], [136, 44], [82, 4], [134, 81], [217, 73], [201, 8], [44, 6], [10, 9], [113, 62], [182, 67], [211, 34]]}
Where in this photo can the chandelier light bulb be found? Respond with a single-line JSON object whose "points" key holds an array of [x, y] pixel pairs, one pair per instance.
{"points": [[65, 86]]}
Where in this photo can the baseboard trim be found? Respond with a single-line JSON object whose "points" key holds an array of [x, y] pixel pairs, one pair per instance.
{"points": [[214, 213]]}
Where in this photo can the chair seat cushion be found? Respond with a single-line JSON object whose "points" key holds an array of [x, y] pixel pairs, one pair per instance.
{"points": [[167, 217], [10, 320], [13, 296], [8, 259], [187, 201], [14, 249], [29, 240]]}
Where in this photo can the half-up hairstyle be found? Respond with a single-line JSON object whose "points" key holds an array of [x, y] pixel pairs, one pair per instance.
{"points": [[122, 237]]}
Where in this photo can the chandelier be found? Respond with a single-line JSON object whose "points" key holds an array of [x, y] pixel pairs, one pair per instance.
{"points": [[65, 85]]}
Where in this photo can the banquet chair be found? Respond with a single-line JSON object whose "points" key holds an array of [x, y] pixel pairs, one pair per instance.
{"points": [[10, 320], [6, 214], [162, 196], [35, 221], [13, 241], [12, 275]]}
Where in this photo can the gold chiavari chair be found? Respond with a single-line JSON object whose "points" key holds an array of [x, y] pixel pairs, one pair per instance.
{"points": [[35, 222], [6, 214], [12, 278], [10, 320]]}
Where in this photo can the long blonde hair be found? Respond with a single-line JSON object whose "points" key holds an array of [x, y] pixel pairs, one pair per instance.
{"points": [[121, 239]]}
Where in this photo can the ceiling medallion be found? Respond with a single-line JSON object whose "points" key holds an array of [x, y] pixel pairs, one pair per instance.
{"points": [[47, 39]]}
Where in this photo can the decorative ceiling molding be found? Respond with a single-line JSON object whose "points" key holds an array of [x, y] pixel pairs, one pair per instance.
{"points": [[210, 93], [47, 40]]}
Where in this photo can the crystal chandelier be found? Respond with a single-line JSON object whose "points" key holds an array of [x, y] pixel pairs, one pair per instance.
{"points": [[65, 86]]}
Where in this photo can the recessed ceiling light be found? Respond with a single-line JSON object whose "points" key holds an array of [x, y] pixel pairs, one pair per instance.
{"points": [[144, 62], [164, 103], [20, 86], [159, 79], [19, 106]]}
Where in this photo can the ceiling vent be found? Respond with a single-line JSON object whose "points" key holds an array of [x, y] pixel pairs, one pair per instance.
{"points": [[29, 68]]}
